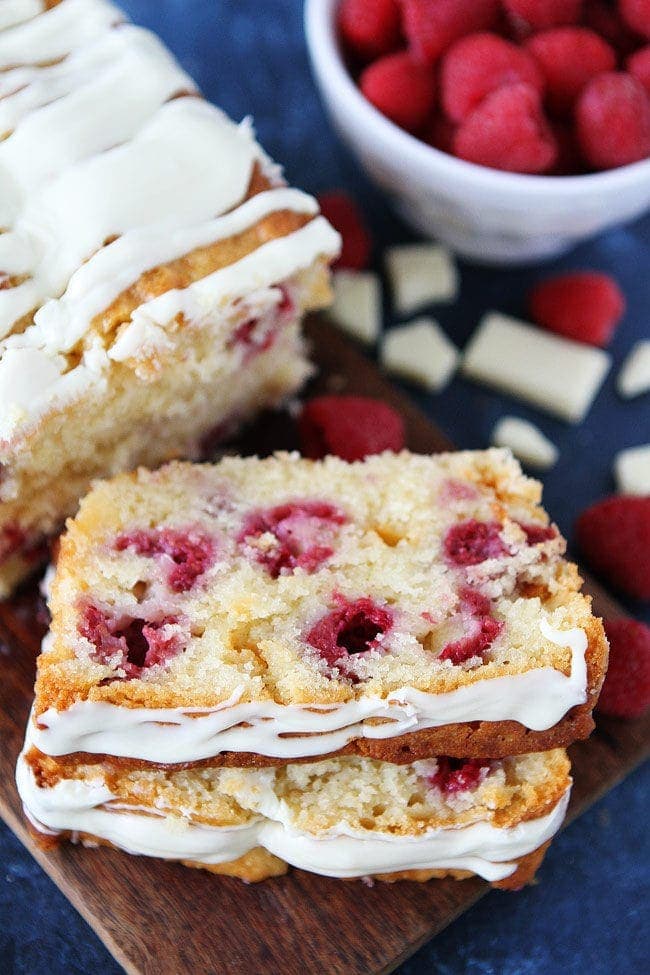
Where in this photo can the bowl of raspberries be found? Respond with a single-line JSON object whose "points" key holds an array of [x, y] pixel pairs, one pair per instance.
{"points": [[509, 129]]}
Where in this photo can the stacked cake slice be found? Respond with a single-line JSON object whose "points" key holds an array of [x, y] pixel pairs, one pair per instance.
{"points": [[364, 669], [154, 267]]}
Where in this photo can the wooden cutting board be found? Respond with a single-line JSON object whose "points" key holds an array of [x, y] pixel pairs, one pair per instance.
{"points": [[162, 918]]}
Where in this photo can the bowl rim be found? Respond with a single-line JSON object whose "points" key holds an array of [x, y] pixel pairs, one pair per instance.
{"points": [[330, 71]]}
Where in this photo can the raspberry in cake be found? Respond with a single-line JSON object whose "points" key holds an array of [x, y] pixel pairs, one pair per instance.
{"points": [[154, 272], [281, 609]]}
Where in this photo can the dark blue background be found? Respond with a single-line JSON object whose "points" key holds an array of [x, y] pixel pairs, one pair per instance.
{"points": [[589, 912]]}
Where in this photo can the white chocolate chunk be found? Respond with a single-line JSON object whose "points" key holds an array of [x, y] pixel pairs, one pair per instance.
{"points": [[421, 352], [634, 377], [555, 374], [526, 441], [632, 470], [357, 304], [420, 274]]}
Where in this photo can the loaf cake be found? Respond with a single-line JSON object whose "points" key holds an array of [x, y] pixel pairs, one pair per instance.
{"points": [[154, 267], [344, 817], [255, 612]]}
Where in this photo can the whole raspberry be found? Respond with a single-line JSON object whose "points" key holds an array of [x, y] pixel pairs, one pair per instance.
{"points": [[614, 536], [477, 65], [432, 25], [569, 57], [613, 120], [346, 217], [402, 89], [626, 691], [585, 306], [508, 131], [369, 28], [352, 427], [541, 14], [636, 14], [638, 65]]}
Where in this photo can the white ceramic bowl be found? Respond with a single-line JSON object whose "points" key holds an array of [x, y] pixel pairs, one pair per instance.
{"points": [[484, 214]]}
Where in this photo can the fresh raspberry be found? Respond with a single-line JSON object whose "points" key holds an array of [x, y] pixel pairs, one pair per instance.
{"points": [[540, 14], [479, 64], [603, 17], [613, 120], [186, 554], [471, 542], [473, 602], [402, 89], [432, 25], [536, 534], [638, 65], [346, 217], [582, 305], [614, 535], [355, 627], [458, 774], [626, 691], [369, 28], [351, 427], [508, 131], [636, 14], [569, 57], [130, 644], [304, 532]]}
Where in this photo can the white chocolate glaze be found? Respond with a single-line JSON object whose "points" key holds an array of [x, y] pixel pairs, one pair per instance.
{"points": [[102, 179], [56, 32], [83, 121], [14, 12], [538, 699], [90, 808]]}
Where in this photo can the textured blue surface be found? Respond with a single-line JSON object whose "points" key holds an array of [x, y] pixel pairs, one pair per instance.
{"points": [[589, 913]]}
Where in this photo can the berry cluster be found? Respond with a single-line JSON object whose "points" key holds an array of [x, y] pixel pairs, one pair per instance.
{"points": [[531, 86]]}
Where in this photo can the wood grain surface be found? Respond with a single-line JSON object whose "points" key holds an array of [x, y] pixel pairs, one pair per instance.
{"points": [[162, 918]]}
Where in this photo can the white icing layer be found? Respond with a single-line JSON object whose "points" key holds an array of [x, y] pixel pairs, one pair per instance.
{"points": [[14, 12], [480, 848], [538, 699], [56, 32], [83, 121], [104, 177]]}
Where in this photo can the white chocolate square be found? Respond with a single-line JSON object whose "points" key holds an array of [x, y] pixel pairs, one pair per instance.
{"points": [[555, 374], [634, 377], [526, 441], [356, 308], [420, 352], [420, 274], [632, 470]]}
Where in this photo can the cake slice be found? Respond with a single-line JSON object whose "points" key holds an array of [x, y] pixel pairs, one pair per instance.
{"points": [[154, 268], [346, 817], [272, 610]]}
